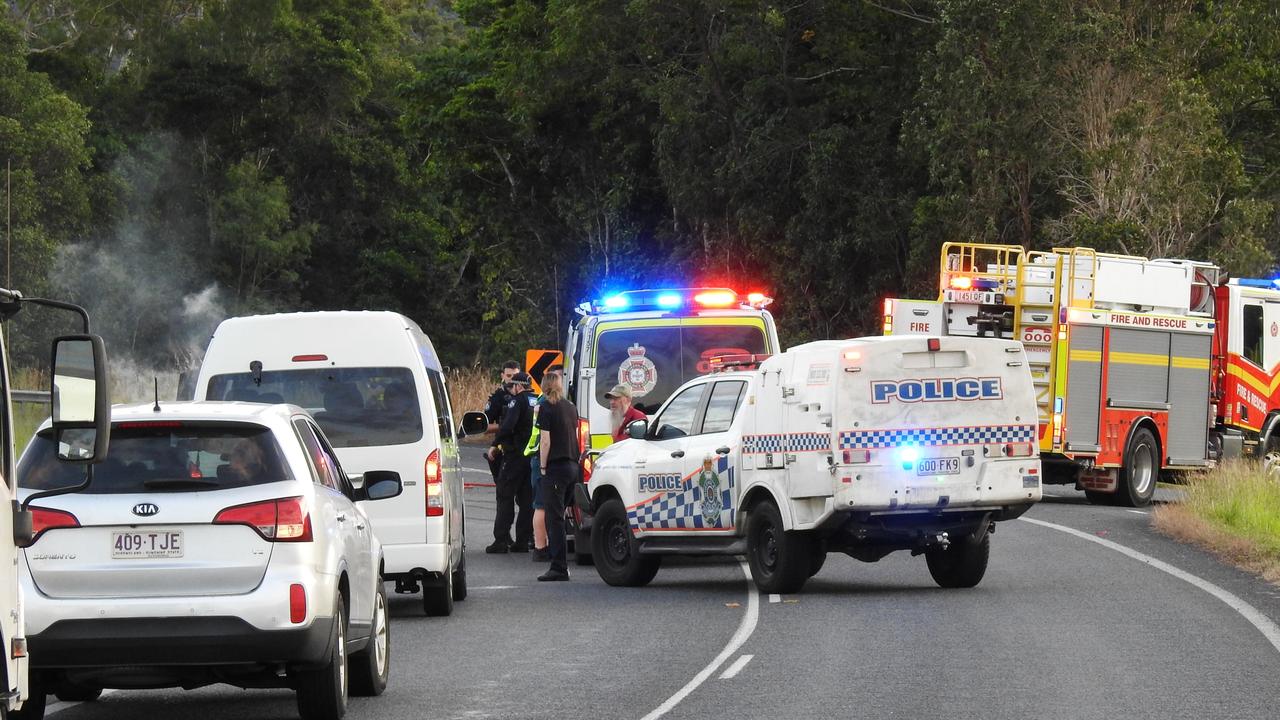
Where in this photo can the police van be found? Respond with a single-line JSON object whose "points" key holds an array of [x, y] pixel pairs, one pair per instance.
{"points": [[862, 446]]}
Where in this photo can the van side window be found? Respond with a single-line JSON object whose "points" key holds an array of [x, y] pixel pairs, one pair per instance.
{"points": [[1253, 334], [440, 397], [323, 467], [723, 405]]}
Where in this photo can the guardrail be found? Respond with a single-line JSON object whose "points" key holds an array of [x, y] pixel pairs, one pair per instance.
{"points": [[40, 397]]}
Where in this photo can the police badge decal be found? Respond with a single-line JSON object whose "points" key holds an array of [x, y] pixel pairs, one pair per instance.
{"points": [[638, 372], [709, 484]]}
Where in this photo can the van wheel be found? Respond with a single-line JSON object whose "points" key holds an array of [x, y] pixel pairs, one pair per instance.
{"points": [[961, 565], [371, 666], [460, 580], [1141, 470], [33, 708], [816, 562], [780, 559], [614, 549], [437, 600], [322, 693]]}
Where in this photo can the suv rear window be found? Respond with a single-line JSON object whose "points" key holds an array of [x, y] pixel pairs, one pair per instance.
{"points": [[164, 457], [356, 407]]}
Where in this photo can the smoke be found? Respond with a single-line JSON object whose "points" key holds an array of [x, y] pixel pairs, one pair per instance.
{"points": [[149, 283]]}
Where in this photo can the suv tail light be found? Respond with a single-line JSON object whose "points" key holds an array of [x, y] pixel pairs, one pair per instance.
{"points": [[43, 519], [431, 473], [281, 520]]}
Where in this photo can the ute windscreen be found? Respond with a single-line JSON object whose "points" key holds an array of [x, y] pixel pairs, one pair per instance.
{"points": [[653, 362], [356, 407], [163, 457]]}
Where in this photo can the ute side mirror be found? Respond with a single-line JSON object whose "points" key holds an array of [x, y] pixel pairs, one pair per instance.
{"points": [[475, 423], [638, 429], [380, 485], [81, 404]]}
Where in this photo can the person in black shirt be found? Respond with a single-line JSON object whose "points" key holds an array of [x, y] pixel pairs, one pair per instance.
{"points": [[513, 479], [559, 454], [497, 404]]}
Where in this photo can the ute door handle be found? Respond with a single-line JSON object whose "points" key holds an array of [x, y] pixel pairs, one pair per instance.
{"points": [[722, 450], [677, 454]]}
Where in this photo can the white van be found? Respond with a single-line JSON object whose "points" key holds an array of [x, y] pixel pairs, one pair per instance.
{"points": [[375, 385]]}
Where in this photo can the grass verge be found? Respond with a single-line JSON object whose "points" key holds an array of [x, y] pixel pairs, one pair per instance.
{"points": [[1232, 511], [469, 389]]}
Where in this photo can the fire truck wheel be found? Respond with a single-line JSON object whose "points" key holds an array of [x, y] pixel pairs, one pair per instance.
{"points": [[780, 560], [961, 565], [614, 549], [1271, 465], [1141, 470]]}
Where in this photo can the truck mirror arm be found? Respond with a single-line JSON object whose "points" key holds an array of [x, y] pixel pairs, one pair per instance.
{"points": [[84, 314]]}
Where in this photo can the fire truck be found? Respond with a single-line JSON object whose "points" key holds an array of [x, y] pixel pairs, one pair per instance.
{"points": [[1141, 366]]}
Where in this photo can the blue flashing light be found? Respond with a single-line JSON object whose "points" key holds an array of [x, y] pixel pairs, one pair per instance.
{"points": [[1268, 283], [908, 455], [616, 302], [670, 300], [985, 284]]}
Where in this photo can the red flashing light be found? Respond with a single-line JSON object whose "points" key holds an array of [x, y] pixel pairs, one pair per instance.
{"points": [[962, 283], [716, 298], [310, 358], [282, 520], [888, 307], [934, 344], [432, 476], [44, 519]]}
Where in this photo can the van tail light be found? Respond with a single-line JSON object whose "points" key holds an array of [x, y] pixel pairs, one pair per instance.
{"points": [[281, 520], [431, 473], [588, 464], [43, 519], [297, 603]]}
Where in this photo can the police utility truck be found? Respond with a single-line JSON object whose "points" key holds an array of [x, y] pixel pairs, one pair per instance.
{"points": [[862, 446]]}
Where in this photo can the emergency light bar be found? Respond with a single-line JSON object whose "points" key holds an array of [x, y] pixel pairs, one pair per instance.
{"points": [[679, 298]]}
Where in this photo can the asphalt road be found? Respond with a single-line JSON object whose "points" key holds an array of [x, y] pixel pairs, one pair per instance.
{"points": [[1062, 626]]}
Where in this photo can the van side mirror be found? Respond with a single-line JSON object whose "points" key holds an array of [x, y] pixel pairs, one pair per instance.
{"points": [[638, 429], [475, 423], [380, 485], [79, 390]]}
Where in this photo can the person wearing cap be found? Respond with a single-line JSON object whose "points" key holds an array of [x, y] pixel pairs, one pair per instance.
{"points": [[512, 485], [621, 412], [497, 404]]}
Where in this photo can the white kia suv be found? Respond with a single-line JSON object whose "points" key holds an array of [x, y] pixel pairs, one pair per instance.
{"points": [[219, 542]]}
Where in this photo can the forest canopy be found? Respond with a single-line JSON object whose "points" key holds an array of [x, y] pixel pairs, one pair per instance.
{"points": [[485, 165]]}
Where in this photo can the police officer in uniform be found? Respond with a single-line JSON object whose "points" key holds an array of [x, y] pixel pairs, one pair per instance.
{"points": [[513, 487], [497, 405]]}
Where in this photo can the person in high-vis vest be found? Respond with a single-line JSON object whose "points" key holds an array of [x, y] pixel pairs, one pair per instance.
{"points": [[535, 475]]}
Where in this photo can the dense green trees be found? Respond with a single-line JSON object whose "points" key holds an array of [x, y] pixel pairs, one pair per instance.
{"points": [[485, 165]]}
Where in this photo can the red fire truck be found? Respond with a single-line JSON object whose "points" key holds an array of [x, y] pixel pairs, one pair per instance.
{"points": [[1140, 366]]}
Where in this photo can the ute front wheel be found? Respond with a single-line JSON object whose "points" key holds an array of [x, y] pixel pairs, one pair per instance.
{"points": [[615, 551]]}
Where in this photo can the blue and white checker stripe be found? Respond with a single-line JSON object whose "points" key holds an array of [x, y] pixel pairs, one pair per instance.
{"points": [[683, 510], [790, 442], [973, 435]]}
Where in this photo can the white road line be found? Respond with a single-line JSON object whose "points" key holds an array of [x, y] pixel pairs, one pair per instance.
{"points": [[1255, 617], [1137, 512], [496, 587], [736, 667], [745, 628], [775, 597], [476, 470]]}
